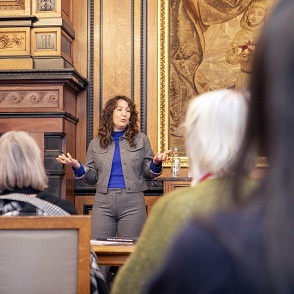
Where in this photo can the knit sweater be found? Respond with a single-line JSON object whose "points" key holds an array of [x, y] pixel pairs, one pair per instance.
{"points": [[167, 216]]}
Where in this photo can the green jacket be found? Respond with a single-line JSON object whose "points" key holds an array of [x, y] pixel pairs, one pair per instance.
{"points": [[166, 218]]}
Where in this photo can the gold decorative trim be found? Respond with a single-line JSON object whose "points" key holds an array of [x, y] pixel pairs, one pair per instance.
{"points": [[184, 162], [163, 85], [163, 88]]}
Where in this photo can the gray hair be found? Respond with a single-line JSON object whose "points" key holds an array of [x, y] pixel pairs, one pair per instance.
{"points": [[20, 162], [214, 130]]}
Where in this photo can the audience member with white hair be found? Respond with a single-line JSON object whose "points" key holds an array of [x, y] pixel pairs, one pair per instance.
{"points": [[214, 129]]}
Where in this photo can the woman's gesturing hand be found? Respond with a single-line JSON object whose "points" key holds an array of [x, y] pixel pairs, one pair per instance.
{"points": [[68, 160], [159, 157]]}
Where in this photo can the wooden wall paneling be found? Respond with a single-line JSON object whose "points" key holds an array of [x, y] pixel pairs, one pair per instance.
{"points": [[15, 48], [39, 137], [174, 184], [28, 123], [69, 125], [51, 48], [117, 48], [70, 130], [52, 34], [152, 74], [53, 143], [97, 65], [81, 22], [140, 60], [64, 178], [67, 10], [137, 38], [70, 101], [113, 51], [46, 41], [47, 9], [149, 202], [42, 97], [66, 47], [23, 98], [84, 203], [80, 43], [118, 43], [81, 130], [15, 41], [44, 103], [11, 63]]}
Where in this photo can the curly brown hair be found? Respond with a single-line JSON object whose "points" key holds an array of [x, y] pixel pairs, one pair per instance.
{"points": [[106, 122]]}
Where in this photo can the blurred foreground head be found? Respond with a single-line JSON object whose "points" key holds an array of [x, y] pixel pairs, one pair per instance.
{"points": [[270, 129], [271, 115], [214, 130]]}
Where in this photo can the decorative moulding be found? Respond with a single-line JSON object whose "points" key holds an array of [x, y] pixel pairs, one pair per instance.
{"points": [[16, 7]]}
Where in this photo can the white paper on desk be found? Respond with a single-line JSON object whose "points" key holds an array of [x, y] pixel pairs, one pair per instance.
{"points": [[100, 242]]}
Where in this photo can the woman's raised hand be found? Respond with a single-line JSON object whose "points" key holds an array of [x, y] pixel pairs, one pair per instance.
{"points": [[68, 160], [159, 157]]}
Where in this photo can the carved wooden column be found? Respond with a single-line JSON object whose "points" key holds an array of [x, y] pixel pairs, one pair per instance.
{"points": [[39, 85], [43, 103]]}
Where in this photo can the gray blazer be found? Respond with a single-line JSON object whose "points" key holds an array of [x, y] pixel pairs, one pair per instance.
{"points": [[135, 164]]}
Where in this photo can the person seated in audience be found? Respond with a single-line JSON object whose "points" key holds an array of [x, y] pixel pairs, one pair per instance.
{"points": [[23, 181], [249, 249], [214, 129], [23, 173]]}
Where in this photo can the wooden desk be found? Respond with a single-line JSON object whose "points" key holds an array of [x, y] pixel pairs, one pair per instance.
{"points": [[171, 184], [114, 255]]}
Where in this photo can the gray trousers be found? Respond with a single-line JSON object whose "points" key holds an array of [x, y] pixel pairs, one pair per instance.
{"points": [[118, 213]]}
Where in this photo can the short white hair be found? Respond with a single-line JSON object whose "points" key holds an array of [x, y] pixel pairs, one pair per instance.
{"points": [[20, 162], [214, 129]]}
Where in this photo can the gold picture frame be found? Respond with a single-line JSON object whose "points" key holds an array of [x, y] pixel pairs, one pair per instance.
{"points": [[163, 85]]}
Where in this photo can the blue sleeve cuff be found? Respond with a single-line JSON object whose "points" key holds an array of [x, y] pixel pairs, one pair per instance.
{"points": [[80, 171], [154, 168]]}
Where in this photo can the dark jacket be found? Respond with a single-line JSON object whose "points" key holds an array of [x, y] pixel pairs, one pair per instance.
{"points": [[219, 255], [26, 208]]}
